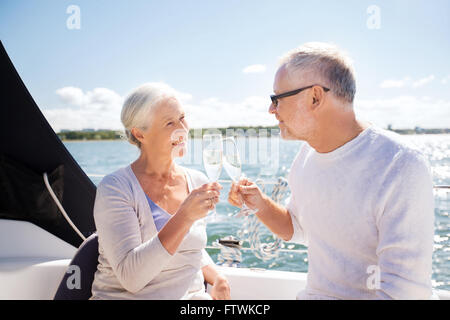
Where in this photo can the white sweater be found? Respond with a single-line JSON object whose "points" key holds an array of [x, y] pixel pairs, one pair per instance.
{"points": [[133, 264], [366, 213]]}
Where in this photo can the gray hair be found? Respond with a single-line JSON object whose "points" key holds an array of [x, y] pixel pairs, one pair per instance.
{"points": [[139, 104], [327, 62]]}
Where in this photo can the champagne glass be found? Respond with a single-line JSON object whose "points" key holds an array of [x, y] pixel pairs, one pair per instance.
{"points": [[269, 161], [233, 167], [212, 161]]}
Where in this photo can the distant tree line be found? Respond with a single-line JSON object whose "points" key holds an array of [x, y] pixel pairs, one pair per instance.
{"points": [[237, 130], [419, 130], [90, 134]]}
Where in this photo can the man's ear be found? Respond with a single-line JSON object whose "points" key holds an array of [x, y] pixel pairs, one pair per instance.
{"points": [[317, 96]]}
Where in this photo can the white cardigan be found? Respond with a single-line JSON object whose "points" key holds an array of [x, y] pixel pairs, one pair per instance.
{"points": [[133, 264]]}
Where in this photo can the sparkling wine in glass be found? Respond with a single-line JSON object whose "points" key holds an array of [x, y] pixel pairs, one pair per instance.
{"points": [[212, 161], [233, 167]]}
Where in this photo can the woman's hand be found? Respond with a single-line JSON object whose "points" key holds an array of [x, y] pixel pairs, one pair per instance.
{"points": [[200, 201], [247, 192], [220, 289]]}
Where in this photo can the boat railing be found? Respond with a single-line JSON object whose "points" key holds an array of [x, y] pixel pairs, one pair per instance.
{"points": [[250, 249]]}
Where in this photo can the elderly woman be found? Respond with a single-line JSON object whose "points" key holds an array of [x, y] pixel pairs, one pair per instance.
{"points": [[149, 214]]}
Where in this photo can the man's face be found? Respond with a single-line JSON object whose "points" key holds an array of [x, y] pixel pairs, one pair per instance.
{"points": [[296, 120]]}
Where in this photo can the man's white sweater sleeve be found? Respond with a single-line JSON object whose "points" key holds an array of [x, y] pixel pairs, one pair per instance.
{"points": [[405, 230]]}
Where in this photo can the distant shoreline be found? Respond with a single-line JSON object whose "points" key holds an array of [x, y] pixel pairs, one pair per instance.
{"points": [[112, 140], [91, 140], [115, 135]]}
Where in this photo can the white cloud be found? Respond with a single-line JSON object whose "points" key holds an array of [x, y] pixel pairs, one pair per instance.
{"points": [[423, 81], [71, 95], [97, 98], [97, 109], [445, 80], [405, 111], [406, 82], [214, 112], [254, 68], [394, 83]]}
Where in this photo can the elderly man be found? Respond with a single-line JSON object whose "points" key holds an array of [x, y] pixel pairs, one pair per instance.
{"points": [[361, 199]]}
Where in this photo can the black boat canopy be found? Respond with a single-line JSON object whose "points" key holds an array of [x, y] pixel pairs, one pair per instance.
{"points": [[28, 148]]}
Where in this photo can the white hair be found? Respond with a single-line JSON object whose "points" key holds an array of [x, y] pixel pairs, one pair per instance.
{"points": [[327, 63], [139, 104]]}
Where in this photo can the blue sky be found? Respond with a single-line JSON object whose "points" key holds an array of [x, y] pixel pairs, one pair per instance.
{"points": [[201, 48]]}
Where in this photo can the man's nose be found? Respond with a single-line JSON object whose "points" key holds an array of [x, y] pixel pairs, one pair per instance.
{"points": [[272, 109]]}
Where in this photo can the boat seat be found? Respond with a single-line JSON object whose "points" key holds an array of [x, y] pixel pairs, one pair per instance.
{"points": [[86, 259]]}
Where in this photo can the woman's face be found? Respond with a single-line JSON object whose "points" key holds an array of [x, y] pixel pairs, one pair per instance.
{"points": [[167, 129]]}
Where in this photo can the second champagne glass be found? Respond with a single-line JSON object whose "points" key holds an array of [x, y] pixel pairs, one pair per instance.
{"points": [[233, 167]]}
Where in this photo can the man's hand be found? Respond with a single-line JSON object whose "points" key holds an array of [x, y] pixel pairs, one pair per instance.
{"points": [[247, 192], [274, 216]]}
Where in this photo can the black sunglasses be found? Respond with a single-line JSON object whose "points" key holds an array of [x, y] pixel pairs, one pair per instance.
{"points": [[275, 98]]}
